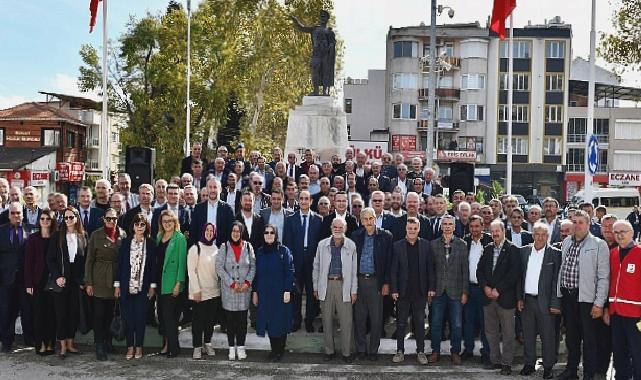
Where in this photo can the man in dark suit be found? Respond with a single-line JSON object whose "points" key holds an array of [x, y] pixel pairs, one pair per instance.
{"points": [[595, 227], [383, 220], [214, 211], [253, 222], [276, 214], [412, 204], [550, 213], [31, 211], [91, 217], [439, 202], [384, 183], [146, 196], [538, 301], [498, 275], [516, 234], [340, 205], [373, 249], [13, 296], [173, 204], [292, 169], [301, 236], [411, 278], [196, 151], [430, 185]]}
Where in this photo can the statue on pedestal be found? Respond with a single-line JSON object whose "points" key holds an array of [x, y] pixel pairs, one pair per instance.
{"points": [[323, 58]]}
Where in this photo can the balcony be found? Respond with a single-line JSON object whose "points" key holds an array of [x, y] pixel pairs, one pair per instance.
{"points": [[580, 138], [443, 125], [93, 165], [441, 92], [603, 168], [93, 142], [450, 63]]}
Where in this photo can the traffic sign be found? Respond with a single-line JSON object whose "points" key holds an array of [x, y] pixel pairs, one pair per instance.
{"points": [[593, 155]]}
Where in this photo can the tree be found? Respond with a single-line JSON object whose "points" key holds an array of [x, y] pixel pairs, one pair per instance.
{"points": [[623, 47]]}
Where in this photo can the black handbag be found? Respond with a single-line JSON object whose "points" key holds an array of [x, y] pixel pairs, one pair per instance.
{"points": [[118, 328]]}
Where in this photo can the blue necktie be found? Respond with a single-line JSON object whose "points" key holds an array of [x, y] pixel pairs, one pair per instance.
{"points": [[304, 229]]}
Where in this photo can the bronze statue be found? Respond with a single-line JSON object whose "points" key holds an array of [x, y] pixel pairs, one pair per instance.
{"points": [[323, 57]]}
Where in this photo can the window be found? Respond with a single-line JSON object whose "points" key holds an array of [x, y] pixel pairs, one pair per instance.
{"points": [[81, 141], [602, 129], [445, 112], [446, 81], [405, 49], [405, 81], [519, 113], [576, 130], [472, 81], [576, 159], [404, 111], [627, 129], [471, 112], [447, 48], [552, 146], [1, 136], [114, 137], [554, 114], [71, 140], [521, 49], [620, 202], [519, 145], [51, 137], [555, 49], [348, 105], [554, 82], [626, 161], [520, 81], [479, 145], [349, 131]]}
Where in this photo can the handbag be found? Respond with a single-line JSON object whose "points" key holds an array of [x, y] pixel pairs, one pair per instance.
{"points": [[118, 328], [52, 285]]}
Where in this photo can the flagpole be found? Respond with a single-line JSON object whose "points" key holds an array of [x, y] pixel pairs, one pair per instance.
{"points": [[587, 188], [188, 121], [104, 120], [510, 95]]}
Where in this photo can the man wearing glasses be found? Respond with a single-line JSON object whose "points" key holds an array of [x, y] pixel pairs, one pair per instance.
{"points": [[261, 199]]}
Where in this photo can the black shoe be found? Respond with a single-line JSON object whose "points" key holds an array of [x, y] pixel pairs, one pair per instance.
{"points": [[101, 355], [489, 365], [361, 356], [547, 373], [277, 357], [467, 355], [320, 329], [309, 327], [348, 359], [109, 348], [527, 370], [373, 357], [172, 355], [77, 352], [294, 329], [329, 357], [271, 356], [506, 370], [567, 374]]}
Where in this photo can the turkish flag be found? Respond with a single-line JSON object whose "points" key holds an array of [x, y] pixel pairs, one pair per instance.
{"points": [[93, 9], [502, 9]]}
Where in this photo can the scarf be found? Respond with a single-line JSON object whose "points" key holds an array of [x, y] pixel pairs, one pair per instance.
{"points": [[202, 235], [111, 233]]}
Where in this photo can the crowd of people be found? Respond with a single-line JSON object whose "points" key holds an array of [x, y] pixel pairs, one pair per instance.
{"points": [[237, 242]]}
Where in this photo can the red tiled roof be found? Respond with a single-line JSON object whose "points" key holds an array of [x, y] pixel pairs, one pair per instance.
{"points": [[37, 111]]}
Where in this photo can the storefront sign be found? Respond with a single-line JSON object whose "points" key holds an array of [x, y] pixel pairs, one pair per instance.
{"points": [[22, 136], [630, 179], [408, 155], [403, 143], [70, 171], [39, 179], [457, 155], [373, 149]]}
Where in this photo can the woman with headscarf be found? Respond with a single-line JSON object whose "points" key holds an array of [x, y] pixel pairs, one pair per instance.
{"points": [[236, 266], [204, 289], [272, 286]]}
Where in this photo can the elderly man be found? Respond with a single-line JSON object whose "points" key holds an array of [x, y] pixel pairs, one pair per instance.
{"points": [[146, 196], [401, 181], [383, 220], [412, 204], [130, 200], [498, 274], [538, 301], [335, 286], [533, 216], [583, 284], [550, 210], [196, 153], [160, 188], [430, 186], [463, 220]]}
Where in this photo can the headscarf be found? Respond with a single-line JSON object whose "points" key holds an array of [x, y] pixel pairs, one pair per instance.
{"points": [[203, 239], [273, 246], [241, 227]]}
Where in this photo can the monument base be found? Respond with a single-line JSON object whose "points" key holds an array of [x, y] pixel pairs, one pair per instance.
{"points": [[317, 124]]}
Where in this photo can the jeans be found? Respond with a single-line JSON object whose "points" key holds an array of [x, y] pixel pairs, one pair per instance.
{"points": [[626, 344], [473, 319], [439, 305]]}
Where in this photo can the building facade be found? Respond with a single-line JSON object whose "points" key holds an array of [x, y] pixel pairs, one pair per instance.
{"points": [[364, 105]]}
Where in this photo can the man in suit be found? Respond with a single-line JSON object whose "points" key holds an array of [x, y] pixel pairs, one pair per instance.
{"points": [[373, 247], [473, 317], [595, 227], [214, 211], [583, 285], [198, 174], [261, 199], [31, 211], [515, 233], [196, 153], [323, 185], [411, 278], [383, 220], [230, 194], [253, 222], [293, 170], [173, 204], [440, 208], [401, 181], [276, 214], [430, 185], [498, 274], [130, 200], [13, 296], [91, 217], [550, 211], [340, 205], [384, 183], [412, 203], [146, 196], [277, 156], [450, 268], [216, 169], [301, 236], [190, 194], [538, 301]]}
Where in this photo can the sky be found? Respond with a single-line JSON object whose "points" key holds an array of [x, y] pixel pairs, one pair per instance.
{"points": [[39, 44]]}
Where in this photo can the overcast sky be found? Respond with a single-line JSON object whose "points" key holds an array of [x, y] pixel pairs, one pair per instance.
{"points": [[40, 42]]}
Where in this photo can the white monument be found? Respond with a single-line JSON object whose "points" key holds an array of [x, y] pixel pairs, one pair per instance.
{"points": [[317, 124]]}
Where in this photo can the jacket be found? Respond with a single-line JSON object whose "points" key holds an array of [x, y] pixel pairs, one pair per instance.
{"points": [[594, 269], [224, 219], [101, 265], [321, 268], [35, 261], [400, 224], [123, 274], [505, 277], [452, 274], [201, 268], [326, 229], [258, 227], [382, 253], [526, 237], [293, 238], [95, 216], [625, 287], [174, 267], [235, 274], [547, 297], [12, 256], [400, 268], [58, 259]]}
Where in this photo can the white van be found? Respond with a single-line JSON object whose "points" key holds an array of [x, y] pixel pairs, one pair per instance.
{"points": [[617, 201]]}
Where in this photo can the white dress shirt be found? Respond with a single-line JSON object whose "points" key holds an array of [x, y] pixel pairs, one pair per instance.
{"points": [[249, 222], [516, 239], [212, 212], [402, 184], [147, 213], [550, 227], [231, 199], [72, 245], [476, 251], [534, 264]]}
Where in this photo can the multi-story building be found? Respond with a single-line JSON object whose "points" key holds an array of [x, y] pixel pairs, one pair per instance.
{"points": [[364, 106]]}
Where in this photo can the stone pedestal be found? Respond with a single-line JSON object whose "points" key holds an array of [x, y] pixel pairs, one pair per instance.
{"points": [[317, 124]]}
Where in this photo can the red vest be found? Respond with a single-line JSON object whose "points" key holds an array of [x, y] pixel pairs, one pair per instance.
{"points": [[625, 283]]}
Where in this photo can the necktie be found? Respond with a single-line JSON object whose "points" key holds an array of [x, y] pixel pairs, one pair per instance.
{"points": [[85, 219], [127, 207], [291, 171], [16, 237], [305, 230], [191, 209], [436, 224]]}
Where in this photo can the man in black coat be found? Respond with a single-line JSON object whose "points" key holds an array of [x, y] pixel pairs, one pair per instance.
{"points": [[340, 204], [498, 274], [253, 222], [214, 211], [516, 233], [173, 204], [384, 182], [412, 203], [91, 217], [196, 151]]}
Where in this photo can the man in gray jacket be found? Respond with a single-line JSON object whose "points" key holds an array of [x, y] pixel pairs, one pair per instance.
{"points": [[583, 285], [335, 285]]}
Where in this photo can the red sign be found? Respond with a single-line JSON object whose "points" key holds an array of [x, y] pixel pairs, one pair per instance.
{"points": [[410, 154], [457, 155], [403, 142], [70, 171]]}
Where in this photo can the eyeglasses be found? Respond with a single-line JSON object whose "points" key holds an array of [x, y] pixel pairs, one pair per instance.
{"points": [[258, 183], [377, 200], [269, 233], [357, 206], [621, 232], [140, 224], [167, 221], [44, 219], [110, 218], [69, 217]]}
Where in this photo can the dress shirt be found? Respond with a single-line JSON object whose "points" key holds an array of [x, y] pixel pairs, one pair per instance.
{"points": [[402, 184], [304, 221], [175, 209], [258, 203], [367, 257], [159, 204], [516, 239], [360, 171], [550, 228], [212, 212], [335, 265], [341, 216], [249, 222], [314, 187], [379, 220], [72, 245], [497, 252], [32, 216], [147, 213], [239, 184], [277, 218], [427, 188], [231, 199], [476, 251], [534, 264]]}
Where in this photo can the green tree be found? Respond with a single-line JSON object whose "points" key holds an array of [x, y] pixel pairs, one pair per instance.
{"points": [[623, 47]]}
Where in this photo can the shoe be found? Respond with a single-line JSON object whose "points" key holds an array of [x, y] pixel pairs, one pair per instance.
{"points": [[361, 356], [489, 365], [547, 373], [278, 357], [456, 359], [506, 370], [399, 357], [271, 356], [101, 355], [62, 355], [421, 358], [109, 348], [309, 327], [172, 355], [294, 329], [130, 355], [527, 370], [434, 357], [240, 351], [349, 359], [372, 357], [198, 353], [329, 357], [467, 355], [209, 349], [232, 353], [76, 352], [50, 352], [567, 374], [138, 353]]}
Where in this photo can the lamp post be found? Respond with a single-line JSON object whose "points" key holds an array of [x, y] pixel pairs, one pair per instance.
{"points": [[188, 107]]}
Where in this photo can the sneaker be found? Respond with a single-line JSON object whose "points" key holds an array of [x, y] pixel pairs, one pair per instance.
{"points": [[198, 353], [209, 349], [242, 355], [232, 353], [398, 357], [421, 358]]}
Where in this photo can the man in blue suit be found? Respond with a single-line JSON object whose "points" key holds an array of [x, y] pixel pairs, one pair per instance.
{"points": [[91, 217], [213, 211], [13, 295], [173, 204], [301, 236]]}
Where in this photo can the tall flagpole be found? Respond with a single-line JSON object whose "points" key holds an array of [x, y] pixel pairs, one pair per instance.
{"points": [[104, 120], [188, 121], [510, 94], [587, 189]]}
